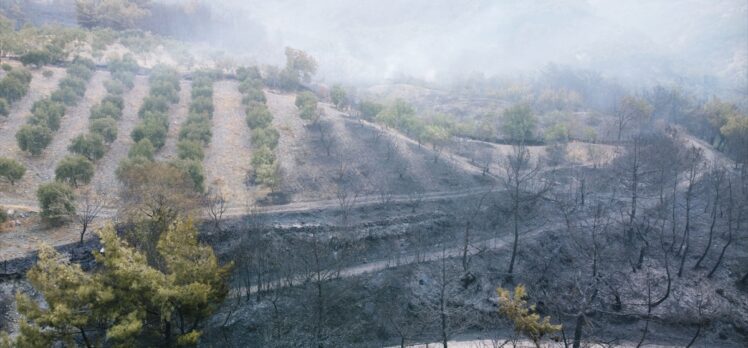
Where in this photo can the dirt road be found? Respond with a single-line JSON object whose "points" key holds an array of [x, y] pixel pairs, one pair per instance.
{"points": [[228, 157]]}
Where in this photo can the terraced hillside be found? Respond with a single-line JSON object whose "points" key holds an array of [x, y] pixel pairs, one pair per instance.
{"points": [[322, 164]]}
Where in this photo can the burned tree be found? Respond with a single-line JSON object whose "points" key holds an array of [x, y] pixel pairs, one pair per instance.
{"points": [[524, 187]]}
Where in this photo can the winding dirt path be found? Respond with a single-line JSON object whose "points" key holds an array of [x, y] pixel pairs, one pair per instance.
{"points": [[228, 157], [177, 114], [104, 177]]}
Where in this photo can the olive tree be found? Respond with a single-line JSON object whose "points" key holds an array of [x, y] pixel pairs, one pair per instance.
{"points": [[11, 170], [56, 201], [74, 169], [34, 138]]}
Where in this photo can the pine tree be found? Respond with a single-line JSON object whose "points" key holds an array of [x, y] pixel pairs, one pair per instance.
{"points": [[526, 321]]}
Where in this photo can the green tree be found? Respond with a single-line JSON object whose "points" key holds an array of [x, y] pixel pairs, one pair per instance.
{"points": [[254, 95], [196, 128], [115, 14], [437, 136], [265, 137], [34, 138], [305, 98], [37, 58], [104, 127], [190, 149], [267, 174], [338, 96], [258, 116], [125, 301], [90, 146], [306, 102], [300, 67], [74, 169], [12, 88], [11, 170], [518, 123], [69, 292], [48, 110], [196, 282], [142, 149], [395, 114], [56, 201], [106, 109], [557, 134], [370, 109], [735, 132], [194, 170], [4, 107], [202, 106], [152, 129], [262, 156], [526, 321]]}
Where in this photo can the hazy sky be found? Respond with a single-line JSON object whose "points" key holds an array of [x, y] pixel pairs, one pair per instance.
{"points": [[372, 40]]}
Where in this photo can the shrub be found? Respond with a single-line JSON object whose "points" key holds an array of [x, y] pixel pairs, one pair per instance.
{"points": [[152, 129], [267, 174], [165, 89], [104, 110], [48, 106], [4, 107], [131, 165], [142, 148], [262, 156], [125, 79], [11, 170], [22, 75], [114, 87], [194, 171], [79, 71], [369, 110], [338, 96], [84, 62], [34, 138], [202, 91], [104, 127], [77, 85], [12, 88], [3, 215], [248, 73], [49, 120], [48, 113], [249, 85], [154, 104], [56, 201], [305, 99], [125, 64], [90, 146], [47, 73], [254, 95], [115, 100], [36, 58], [66, 96], [265, 137], [202, 106], [124, 69], [258, 116], [7, 67], [196, 128], [74, 169], [190, 149]]}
